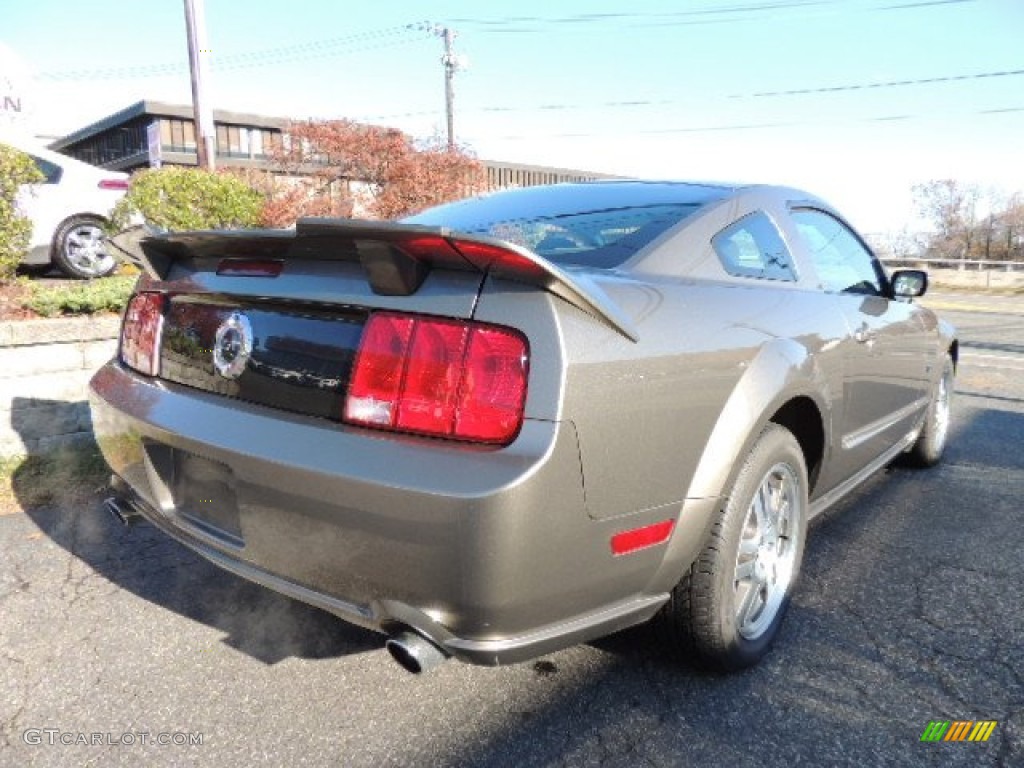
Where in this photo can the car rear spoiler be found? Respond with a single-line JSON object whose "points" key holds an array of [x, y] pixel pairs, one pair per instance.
{"points": [[396, 257]]}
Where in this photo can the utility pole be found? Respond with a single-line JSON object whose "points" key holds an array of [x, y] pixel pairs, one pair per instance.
{"points": [[451, 66], [198, 51]]}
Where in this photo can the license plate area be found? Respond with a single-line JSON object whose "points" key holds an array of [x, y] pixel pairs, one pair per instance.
{"points": [[205, 497]]}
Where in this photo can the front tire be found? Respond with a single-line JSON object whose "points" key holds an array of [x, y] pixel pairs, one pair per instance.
{"points": [[930, 444], [729, 606], [80, 249]]}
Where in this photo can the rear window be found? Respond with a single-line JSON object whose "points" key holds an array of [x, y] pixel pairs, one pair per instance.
{"points": [[596, 225]]}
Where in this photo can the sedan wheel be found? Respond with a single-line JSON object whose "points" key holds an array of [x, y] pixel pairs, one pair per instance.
{"points": [[81, 249], [728, 608]]}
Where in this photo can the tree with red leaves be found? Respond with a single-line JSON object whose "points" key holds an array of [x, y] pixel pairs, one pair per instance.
{"points": [[343, 168]]}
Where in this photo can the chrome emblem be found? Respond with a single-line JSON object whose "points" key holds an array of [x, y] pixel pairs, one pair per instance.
{"points": [[232, 346]]}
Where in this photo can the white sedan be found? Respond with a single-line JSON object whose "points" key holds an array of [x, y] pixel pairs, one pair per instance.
{"points": [[68, 210]]}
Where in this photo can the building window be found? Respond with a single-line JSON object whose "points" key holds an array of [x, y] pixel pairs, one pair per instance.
{"points": [[232, 141]]}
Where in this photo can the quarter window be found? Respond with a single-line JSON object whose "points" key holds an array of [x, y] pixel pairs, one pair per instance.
{"points": [[752, 247], [843, 263], [51, 171]]}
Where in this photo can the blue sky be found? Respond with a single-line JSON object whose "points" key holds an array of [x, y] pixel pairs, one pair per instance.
{"points": [[852, 99]]}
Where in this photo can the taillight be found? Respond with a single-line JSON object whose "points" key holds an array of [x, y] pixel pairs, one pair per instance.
{"points": [[140, 335], [444, 378], [118, 184]]}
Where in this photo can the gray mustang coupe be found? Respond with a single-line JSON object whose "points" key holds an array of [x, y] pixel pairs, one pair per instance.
{"points": [[526, 420]]}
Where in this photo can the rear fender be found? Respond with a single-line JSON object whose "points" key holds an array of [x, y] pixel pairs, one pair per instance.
{"points": [[782, 370]]}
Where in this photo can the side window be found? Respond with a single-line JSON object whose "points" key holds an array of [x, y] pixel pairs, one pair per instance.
{"points": [[51, 171], [752, 247], [840, 259]]}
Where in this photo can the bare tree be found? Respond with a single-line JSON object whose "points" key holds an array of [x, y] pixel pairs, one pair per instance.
{"points": [[952, 208]]}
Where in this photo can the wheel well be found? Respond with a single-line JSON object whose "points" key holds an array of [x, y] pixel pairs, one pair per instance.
{"points": [[803, 419], [84, 215]]}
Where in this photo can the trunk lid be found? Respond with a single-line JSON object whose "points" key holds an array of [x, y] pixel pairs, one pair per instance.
{"points": [[304, 297]]}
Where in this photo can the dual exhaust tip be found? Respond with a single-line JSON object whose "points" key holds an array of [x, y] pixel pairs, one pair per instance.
{"points": [[122, 510], [415, 653]]}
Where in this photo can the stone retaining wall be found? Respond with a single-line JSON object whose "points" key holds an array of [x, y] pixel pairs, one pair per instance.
{"points": [[45, 367]]}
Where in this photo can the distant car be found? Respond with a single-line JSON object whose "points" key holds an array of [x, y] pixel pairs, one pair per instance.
{"points": [[522, 421], [68, 211]]}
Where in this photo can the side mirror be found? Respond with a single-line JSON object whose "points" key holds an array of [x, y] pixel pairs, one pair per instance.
{"points": [[909, 283]]}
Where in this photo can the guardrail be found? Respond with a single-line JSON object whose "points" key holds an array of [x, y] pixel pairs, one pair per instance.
{"points": [[966, 273], [977, 265]]}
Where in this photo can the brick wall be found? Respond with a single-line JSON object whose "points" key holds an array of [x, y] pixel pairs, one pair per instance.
{"points": [[45, 367]]}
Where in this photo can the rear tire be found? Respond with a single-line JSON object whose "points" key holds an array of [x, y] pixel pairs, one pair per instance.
{"points": [[927, 450], [728, 607], [80, 248]]}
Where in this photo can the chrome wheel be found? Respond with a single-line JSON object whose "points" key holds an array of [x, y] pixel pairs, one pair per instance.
{"points": [[84, 248], [766, 558], [941, 411], [730, 603]]}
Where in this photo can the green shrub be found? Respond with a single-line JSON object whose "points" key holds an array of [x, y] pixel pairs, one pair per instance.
{"points": [[86, 298], [16, 168], [189, 198]]}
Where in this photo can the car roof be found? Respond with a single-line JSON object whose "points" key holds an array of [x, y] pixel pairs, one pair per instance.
{"points": [[557, 199], [34, 147]]}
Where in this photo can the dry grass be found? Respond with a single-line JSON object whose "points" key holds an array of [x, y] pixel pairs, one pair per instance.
{"points": [[68, 476]]}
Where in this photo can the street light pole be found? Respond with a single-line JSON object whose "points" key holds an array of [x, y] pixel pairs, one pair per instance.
{"points": [[198, 50]]}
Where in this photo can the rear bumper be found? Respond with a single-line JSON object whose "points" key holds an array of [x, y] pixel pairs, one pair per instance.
{"points": [[489, 553]]}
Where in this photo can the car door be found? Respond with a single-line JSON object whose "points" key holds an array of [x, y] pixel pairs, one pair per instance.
{"points": [[43, 202], [886, 360]]}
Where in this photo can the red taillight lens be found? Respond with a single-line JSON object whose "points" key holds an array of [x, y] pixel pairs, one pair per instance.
{"points": [[431, 384], [444, 378], [373, 392], [117, 184], [493, 384], [140, 336]]}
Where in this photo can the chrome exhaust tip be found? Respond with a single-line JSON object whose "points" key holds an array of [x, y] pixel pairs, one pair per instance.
{"points": [[414, 652], [121, 511]]}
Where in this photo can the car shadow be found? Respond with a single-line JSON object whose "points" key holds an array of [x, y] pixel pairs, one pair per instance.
{"points": [[149, 564]]}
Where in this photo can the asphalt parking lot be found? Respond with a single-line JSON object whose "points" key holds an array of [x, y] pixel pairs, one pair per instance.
{"points": [[909, 611]]}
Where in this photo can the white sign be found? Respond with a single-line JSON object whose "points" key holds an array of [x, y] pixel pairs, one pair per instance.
{"points": [[153, 143], [14, 86]]}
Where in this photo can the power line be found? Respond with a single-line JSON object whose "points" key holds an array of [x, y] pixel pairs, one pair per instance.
{"points": [[883, 84], [719, 13], [316, 49], [636, 103], [761, 126]]}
